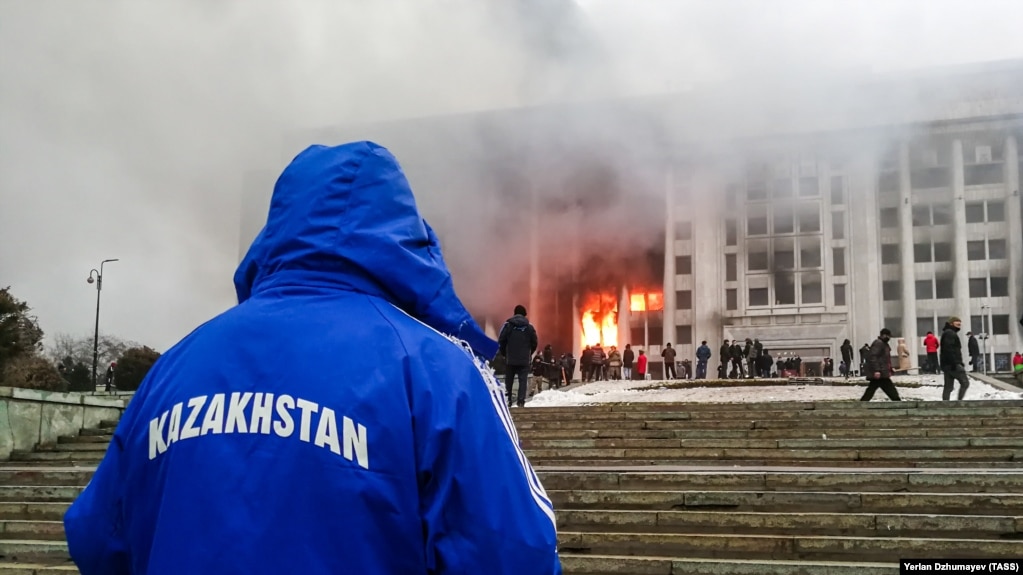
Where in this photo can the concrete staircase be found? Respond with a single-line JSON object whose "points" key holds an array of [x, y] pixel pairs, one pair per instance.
{"points": [[840, 488], [836, 488]]}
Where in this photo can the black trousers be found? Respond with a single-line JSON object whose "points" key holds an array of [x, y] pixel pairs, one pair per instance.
{"points": [[951, 377], [509, 381], [669, 369], [886, 385]]}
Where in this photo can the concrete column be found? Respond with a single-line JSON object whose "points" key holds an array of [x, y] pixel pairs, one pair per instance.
{"points": [[668, 332], [708, 259], [577, 328], [908, 269], [1015, 238], [624, 335], [534, 251], [864, 297], [961, 261]]}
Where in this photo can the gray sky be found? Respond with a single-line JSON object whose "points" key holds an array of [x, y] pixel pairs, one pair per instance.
{"points": [[126, 128]]}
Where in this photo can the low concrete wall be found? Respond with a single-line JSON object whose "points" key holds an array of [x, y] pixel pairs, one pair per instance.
{"points": [[30, 417]]}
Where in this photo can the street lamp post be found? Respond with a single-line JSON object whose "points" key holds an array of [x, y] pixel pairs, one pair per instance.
{"points": [[98, 279]]}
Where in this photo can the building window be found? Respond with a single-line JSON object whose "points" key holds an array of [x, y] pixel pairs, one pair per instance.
{"points": [[837, 191], [731, 272], [782, 188], [889, 217], [924, 289], [809, 219], [683, 230], [924, 325], [683, 334], [982, 174], [655, 335], [756, 225], [975, 250], [784, 219], [785, 289], [756, 190], [809, 253], [941, 214], [784, 255], [978, 287], [890, 254], [731, 299], [942, 252], [808, 187], [894, 323], [1003, 362], [974, 212], [977, 324], [731, 233], [758, 297], [638, 335], [891, 290], [757, 260], [943, 288], [840, 295], [683, 265], [683, 299], [921, 216], [996, 211], [1000, 325], [999, 286], [811, 292], [921, 253], [996, 249], [838, 261], [837, 225]]}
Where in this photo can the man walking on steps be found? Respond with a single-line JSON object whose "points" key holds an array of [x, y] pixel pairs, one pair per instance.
{"points": [[952, 359], [518, 343], [879, 368]]}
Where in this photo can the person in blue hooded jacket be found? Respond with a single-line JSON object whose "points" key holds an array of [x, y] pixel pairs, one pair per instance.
{"points": [[260, 444]]}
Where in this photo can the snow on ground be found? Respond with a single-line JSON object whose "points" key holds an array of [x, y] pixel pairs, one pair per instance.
{"points": [[654, 391]]}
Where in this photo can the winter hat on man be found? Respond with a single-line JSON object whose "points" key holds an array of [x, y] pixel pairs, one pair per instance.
{"points": [[520, 310], [954, 319]]}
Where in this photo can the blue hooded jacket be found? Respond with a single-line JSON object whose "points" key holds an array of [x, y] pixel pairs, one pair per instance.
{"points": [[338, 420]]}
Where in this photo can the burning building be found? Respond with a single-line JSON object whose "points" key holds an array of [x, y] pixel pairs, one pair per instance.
{"points": [[885, 201]]}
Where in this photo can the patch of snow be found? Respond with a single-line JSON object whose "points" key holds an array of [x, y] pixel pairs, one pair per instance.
{"points": [[628, 392]]}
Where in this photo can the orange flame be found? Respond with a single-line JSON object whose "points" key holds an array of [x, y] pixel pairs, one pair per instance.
{"points": [[652, 301], [600, 319]]}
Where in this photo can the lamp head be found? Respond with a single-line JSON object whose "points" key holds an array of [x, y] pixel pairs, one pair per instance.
{"points": [[91, 280]]}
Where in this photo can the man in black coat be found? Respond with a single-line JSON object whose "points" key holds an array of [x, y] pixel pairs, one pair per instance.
{"points": [[518, 342], [726, 355], [879, 368], [974, 349], [628, 358], [951, 359]]}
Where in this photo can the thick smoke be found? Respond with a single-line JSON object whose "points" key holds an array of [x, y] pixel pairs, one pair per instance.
{"points": [[129, 129]]}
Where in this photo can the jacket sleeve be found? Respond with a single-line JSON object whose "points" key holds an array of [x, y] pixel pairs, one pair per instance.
{"points": [[94, 523], [482, 506], [502, 339], [533, 340]]}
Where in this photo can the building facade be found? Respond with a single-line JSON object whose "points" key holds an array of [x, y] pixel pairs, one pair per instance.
{"points": [[849, 218]]}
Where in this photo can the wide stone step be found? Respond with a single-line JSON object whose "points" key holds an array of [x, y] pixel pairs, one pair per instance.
{"points": [[53, 567], [96, 431], [757, 464], [718, 479], [765, 523], [826, 405], [34, 510], [29, 550], [579, 422], [1000, 504], [873, 549], [39, 530], [596, 432], [39, 492], [619, 565], [838, 454], [58, 456], [816, 444], [45, 476], [104, 438], [776, 413]]}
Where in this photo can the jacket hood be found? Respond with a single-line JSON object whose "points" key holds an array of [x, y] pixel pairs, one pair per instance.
{"points": [[518, 320], [344, 217]]}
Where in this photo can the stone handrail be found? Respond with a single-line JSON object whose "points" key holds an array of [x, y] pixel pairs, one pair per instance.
{"points": [[29, 417]]}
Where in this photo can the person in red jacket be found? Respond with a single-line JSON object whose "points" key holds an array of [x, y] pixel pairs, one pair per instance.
{"points": [[931, 345], [641, 365], [1017, 367]]}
